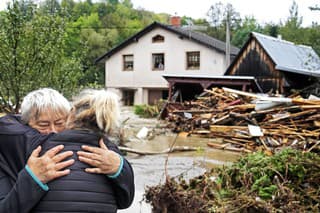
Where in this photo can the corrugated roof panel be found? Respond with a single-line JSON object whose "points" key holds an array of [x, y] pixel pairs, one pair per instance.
{"points": [[289, 56]]}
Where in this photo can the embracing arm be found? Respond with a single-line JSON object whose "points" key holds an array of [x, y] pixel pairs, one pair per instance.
{"points": [[124, 185], [20, 196]]}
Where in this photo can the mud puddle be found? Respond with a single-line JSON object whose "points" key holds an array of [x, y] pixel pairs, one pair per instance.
{"points": [[150, 170]]}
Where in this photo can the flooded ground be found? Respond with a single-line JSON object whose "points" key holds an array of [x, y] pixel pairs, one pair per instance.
{"points": [[150, 170]]}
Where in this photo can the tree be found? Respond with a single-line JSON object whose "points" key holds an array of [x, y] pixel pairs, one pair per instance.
{"points": [[218, 15], [313, 37], [32, 55], [292, 29], [294, 20], [248, 25], [50, 6], [271, 29]]}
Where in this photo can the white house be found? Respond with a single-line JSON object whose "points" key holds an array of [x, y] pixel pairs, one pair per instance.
{"points": [[134, 68]]}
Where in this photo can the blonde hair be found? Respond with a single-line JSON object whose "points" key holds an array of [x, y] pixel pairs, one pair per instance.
{"points": [[96, 109]]}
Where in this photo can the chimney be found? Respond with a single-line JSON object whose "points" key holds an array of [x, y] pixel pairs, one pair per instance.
{"points": [[175, 21]]}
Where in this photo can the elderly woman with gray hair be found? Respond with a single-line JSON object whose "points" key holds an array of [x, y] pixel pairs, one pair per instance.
{"points": [[94, 178], [107, 184]]}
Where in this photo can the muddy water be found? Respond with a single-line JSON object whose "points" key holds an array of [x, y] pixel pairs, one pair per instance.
{"points": [[150, 169]]}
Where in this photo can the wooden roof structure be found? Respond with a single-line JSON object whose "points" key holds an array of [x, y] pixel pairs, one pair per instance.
{"points": [[189, 86], [278, 65]]}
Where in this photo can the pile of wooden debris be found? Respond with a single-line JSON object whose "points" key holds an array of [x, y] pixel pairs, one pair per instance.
{"points": [[249, 122]]}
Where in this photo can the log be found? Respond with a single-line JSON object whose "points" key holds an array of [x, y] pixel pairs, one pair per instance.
{"points": [[227, 147], [196, 111], [168, 150]]}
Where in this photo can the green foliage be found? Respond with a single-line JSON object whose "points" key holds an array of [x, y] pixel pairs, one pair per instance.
{"points": [[146, 111], [285, 182], [218, 15], [248, 25], [313, 38], [32, 54], [56, 43], [264, 176]]}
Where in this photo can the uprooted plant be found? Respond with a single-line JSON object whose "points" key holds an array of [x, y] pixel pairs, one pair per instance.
{"points": [[286, 182]]}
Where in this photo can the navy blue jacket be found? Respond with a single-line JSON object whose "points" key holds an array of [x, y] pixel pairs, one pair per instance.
{"points": [[81, 191], [20, 193]]}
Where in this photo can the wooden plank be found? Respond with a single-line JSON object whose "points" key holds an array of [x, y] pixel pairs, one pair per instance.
{"points": [[220, 119], [242, 106], [301, 101], [252, 95], [234, 142], [183, 134], [220, 128], [216, 145], [293, 115], [263, 143]]}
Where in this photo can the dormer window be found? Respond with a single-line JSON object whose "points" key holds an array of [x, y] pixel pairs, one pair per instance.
{"points": [[157, 39]]}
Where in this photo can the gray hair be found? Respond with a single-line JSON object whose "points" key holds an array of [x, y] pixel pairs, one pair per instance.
{"points": [[97, 109], [41, 100]]}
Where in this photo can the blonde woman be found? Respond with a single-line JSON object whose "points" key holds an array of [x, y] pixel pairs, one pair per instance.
{"points": [[101, 179]]}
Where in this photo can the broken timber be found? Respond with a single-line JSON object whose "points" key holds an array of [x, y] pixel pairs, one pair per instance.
{"points": [[227, 113]]}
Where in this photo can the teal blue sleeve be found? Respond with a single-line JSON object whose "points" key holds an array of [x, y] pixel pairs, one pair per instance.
{"points": [[42, 185], [119, 169]]}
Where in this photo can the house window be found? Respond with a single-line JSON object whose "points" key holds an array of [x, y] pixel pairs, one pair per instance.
{"points": [[193, 60], [157, 38], [158, 61], [127, 62]]}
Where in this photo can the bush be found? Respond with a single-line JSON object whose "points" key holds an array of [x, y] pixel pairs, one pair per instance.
{"points": [[146, 111]]}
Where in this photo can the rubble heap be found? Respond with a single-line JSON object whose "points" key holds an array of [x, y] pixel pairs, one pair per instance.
{"points": [[249, 122]]}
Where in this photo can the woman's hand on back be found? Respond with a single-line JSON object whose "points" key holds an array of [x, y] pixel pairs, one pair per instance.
{"points": [[102, 160], [50, 165]]}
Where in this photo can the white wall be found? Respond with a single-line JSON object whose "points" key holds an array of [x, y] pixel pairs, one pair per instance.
{"points": [[211, 62]]}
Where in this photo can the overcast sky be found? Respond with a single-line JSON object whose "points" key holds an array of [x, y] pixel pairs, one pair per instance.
{"points": [[262, 10]]}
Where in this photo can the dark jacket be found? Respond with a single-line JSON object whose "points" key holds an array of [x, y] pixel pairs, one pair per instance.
{"points": [[20, 193], [81, 191]]}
